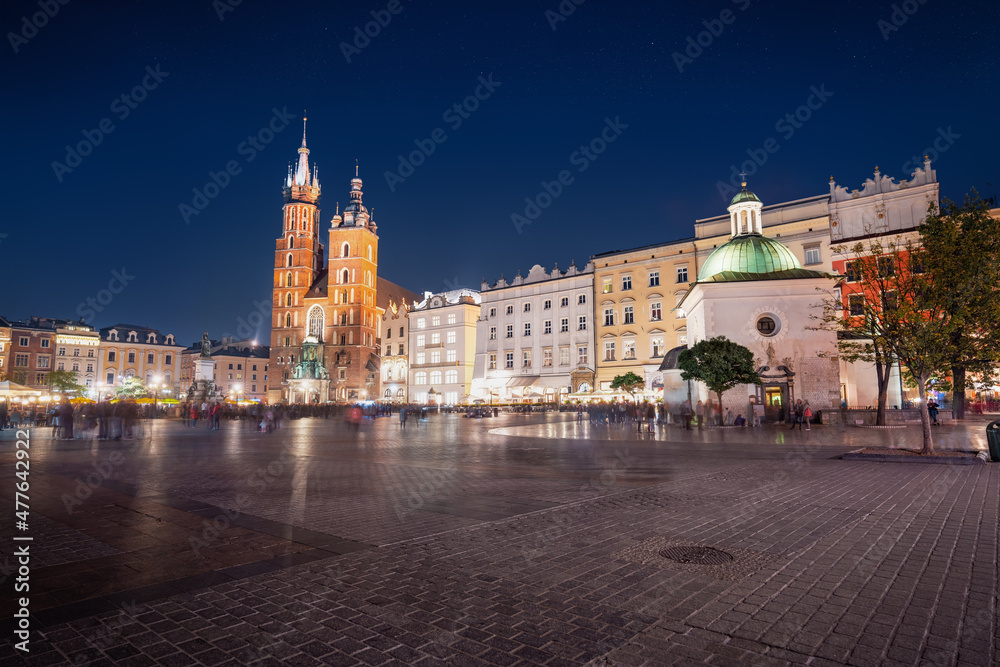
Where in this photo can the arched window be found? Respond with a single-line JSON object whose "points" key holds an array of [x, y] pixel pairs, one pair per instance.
{"points": [[288, 319], [345, 250], [290, 242], [288, 279], [345, 277], [316, 322], [288, 260], [369, 253], [288, 300]]}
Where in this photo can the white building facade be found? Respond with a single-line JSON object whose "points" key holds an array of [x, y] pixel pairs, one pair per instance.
{"points": [[442, 347], [536, 337]]}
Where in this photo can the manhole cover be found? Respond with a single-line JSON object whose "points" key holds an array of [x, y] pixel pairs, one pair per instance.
{"points": [[696, 555]]}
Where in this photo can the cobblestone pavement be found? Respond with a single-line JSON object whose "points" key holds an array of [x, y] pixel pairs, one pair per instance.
{"points": [[517, 540]]}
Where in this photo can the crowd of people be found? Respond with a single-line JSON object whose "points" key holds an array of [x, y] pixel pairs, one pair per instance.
{"points": [[69, 421]]}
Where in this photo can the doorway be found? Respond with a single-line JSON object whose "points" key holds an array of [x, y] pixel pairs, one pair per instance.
{"points": [[775, 401]]}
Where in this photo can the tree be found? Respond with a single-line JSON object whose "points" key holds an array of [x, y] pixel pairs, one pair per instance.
{"points": [[131, 388], [960, 254], [65, 382], [629, 382], [720, 363]]}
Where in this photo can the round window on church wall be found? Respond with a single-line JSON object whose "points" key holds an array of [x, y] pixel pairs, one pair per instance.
{"points": [[766, 326]]}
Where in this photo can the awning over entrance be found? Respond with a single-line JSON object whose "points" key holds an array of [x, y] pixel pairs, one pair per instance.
{"points": [[525, 381]]}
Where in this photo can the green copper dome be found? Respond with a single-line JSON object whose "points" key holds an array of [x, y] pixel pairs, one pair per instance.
{"points": [[744, 195], [751, 254]]}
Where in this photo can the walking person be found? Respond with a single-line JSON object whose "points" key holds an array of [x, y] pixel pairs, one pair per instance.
{"points": [[700, 412], [807, 414], [932, 410], [686, 415], [797, 419], [402, 418]]}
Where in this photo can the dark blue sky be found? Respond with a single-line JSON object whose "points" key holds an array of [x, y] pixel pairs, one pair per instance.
{"points": [[889, 95]]}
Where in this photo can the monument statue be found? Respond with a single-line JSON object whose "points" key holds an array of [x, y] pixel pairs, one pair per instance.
{"points": [[206, 346]]}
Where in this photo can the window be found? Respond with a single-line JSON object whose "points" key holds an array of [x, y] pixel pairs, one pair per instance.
{"points": [[654, 278], [629, 315], [564, 324], [547, 305], [254, 367], [450, 337], [527, 328], [564, 356], [493, 333], [655, 311], [110, 378], [766, 326], [609, 350], [239, 367], [509, 360], [547, 357], [656, 346], [564, 302], [400, 332], [451, 377], [400, 349], [493, 360], [510, 331], [421, 323], [230, 367], [40, 378], [628, 348], [582, 299], [436, 321], [493, 312], [682, 273], [60, 366], [43, 362], [527, 307], [890, 301], [131, 357], [436, 357], [20, 360], [850, 272], [62, 351], [510, 310], [451, 318], [626, 282], [547, 327], [150, 358], [46, 341], [856, 304], [526, 359], [90, 353], [420, 377], [420, 340], [609, 317], [581, 355], [436, 338], [606, 286], [435, 377], [421, 357], [451, 355], [812, 255], [886, 267], [111, 356], [388, 332], [23, 341], [168, 359], [90, 368], [582, 326]]}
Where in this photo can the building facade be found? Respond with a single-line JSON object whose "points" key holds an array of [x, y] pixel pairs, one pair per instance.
{"points": [[32, 351], [395, 362], [535, 337], [128, 350], [442, 347], [239, 372], [326, 310], [5, 333]]}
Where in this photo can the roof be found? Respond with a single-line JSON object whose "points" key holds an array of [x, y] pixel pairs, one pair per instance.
{"points": [[689, 239], [390, 292], [670, 359], [749, 254], [745, 195], [788, 274]]}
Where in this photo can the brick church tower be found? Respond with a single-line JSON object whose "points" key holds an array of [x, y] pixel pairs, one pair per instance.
{"points": [[326, 321]]}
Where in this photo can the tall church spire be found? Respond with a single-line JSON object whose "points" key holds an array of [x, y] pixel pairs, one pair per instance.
{"points": [[302, 173], [302, 184]]}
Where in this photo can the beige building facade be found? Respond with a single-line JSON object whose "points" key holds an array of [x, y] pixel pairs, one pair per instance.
{"points": [[443, 347]]}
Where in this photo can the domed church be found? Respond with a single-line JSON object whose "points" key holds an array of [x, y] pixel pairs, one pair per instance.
{"points": [[754, 291]]}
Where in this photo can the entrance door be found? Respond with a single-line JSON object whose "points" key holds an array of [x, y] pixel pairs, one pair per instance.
{"points": [[775, 399]]}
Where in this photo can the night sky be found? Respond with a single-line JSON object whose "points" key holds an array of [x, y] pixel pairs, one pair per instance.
{"points": [[890, 85]]}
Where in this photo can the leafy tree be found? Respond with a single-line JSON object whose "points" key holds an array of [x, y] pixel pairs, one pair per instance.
{"points": [[960, 254], [65, 382], [131, 388], [629, 382], [721, 364]]}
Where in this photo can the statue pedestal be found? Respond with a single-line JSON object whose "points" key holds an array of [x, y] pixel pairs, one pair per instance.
{"points": [[204, 369]]}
